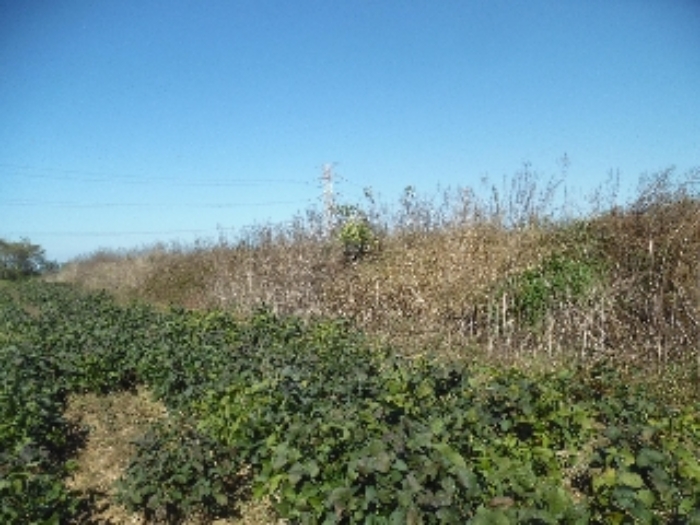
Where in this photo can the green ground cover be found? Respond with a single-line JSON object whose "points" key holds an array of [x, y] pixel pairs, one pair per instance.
{"points": [[329, 426]]}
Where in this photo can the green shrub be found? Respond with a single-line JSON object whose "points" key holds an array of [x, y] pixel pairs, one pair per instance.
{"points": [[558, 280], [355, 233], [33, 437], [31, 493], [178, 472]]}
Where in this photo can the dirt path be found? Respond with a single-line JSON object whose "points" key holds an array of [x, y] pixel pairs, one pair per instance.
{"points": [[112, 422]]}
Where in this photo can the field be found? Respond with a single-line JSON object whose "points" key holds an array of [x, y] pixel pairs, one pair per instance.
{"points": [[463, 362]]}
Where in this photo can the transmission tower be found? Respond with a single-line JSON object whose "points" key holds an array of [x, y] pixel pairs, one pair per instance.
{"points": [[328, 196]]}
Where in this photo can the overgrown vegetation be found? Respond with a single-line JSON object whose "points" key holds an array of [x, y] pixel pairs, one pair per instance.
{"points": [[515, 365], [327, 425], [513, 275]]}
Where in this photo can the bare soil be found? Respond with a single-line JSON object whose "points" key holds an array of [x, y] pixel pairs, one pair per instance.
{"points": [[111, 423]]}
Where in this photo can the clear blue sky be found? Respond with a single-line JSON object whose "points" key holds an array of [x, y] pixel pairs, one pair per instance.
{"points": [[127, 122]]}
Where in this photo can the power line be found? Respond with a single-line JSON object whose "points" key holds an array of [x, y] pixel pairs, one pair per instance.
{"points": [[231, 183], [328, 196], [77, 205], [125, 233], [107, 233], [84, 176], [60, 174]]}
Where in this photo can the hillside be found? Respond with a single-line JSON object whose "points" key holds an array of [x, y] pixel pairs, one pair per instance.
{"points": [[510, 277], [228, 383]]}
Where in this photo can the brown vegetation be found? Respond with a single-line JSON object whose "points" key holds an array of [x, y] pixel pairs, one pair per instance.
{"points": [[467, 275]]}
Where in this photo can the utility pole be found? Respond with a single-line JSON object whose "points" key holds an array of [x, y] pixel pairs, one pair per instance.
{"points": [[328, 196]]}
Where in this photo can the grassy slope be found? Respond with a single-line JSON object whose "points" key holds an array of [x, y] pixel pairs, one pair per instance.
{"points": [[503, 278], [623, 283]]}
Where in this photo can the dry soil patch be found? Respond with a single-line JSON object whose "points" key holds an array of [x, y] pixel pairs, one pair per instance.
{"points": [[112, 422]]}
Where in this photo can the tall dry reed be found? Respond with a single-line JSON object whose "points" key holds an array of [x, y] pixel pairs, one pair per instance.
{"points": [[509, 273]]}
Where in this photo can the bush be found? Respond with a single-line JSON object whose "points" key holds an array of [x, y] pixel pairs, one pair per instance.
{"points": [[559, 280], [179, 472], [355, 233]]}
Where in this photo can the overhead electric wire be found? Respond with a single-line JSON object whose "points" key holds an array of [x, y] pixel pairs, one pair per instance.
{"points": [[123, 233], [111, 178], [78, 205], [81, 176], [111, 234]]}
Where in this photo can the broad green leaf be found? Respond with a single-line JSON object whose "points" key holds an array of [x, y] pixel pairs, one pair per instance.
{"points": [[630, 479], [648, 457], [400, 464], [605, 479], [296, 473], [425, 389], [312, 468], [340, 496], [557, 500], [452, 455], [382, 462], [486, 516], [468, 480], [281, 457], [647, 497], [690, 468], [627, 457]]}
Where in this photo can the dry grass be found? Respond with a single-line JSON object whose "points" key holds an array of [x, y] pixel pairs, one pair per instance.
{"points": [[112, 422], [436, 278]]}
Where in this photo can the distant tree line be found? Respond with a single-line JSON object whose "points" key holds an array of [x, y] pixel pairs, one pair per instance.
{"points": [[23, 259]]}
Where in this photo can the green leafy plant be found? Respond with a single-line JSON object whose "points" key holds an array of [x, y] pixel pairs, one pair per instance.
{"points": [[329, 426], [33, 436], [32, 493], [355, 233], [558, 280], [178, 472]]}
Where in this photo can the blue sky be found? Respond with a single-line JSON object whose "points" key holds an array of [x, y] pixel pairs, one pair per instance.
{"points": [[125, 123]]}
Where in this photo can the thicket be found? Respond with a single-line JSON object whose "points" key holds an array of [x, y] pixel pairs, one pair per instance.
{"points": [[514, 273], [333, 427]]}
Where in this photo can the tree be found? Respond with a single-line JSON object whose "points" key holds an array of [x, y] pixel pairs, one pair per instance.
{"points": [[23, 259]]}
